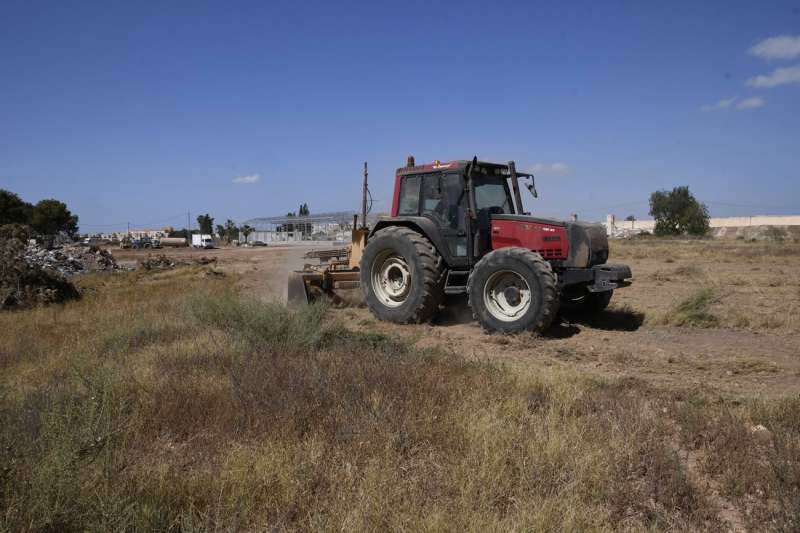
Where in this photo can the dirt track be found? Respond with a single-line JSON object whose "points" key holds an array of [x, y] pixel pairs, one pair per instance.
{"points": [[622, 342]]}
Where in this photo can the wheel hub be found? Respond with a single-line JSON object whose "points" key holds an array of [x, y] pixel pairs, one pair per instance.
{"points": [[391, 279], [512, 295], [507, 295]]}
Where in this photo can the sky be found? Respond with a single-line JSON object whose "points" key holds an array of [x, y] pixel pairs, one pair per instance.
{"points": [[142, 112]]}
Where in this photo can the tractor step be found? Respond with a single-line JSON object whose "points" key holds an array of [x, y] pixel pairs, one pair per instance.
{"points": [[456, 282], [455, 289]]}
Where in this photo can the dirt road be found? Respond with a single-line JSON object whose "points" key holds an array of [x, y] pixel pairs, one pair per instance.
{"points": [[754, 351]]}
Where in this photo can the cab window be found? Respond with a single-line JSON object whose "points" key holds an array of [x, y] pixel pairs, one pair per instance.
{"points": [[493, 193], [444, 200], [409, 196]]}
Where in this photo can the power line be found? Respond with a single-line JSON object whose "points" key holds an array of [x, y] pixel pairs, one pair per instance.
{"points": [[120, 224], [627, 204]]}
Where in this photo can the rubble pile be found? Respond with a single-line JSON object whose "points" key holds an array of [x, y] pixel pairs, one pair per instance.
{"points": [[162, 262], [25, 283], [159, 262], [71, 260]]}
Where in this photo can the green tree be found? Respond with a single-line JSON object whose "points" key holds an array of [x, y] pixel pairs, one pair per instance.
{"points": [[231, 230], [205, 223], [677, 212], [180, 233], [630, 218], [246, 231], [14, 210], [221, 232], [304, 228], [51, 217]]}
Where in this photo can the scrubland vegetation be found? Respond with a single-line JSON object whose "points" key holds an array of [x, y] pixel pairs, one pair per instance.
{"points": [[167, 401], [717, 283]]}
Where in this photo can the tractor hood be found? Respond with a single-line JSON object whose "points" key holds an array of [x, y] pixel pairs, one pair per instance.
{"points": [[587, 243]]}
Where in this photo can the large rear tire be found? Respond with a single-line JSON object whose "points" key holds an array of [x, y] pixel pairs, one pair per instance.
{"points": [[513, 290], [401, 276]]}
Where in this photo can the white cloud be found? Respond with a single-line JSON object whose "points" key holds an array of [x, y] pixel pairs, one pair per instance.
{"points": [[734, 103], [252, 178], [725, 103], [552, 169], [751, 103], [780, 47], [779, 76]]}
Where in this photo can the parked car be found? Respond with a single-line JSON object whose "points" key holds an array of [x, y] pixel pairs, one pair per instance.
{"points": [[258, 243]]}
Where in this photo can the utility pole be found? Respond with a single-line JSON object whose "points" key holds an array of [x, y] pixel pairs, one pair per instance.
{"points": [[364, 199], [188, 221], [129, 230]]}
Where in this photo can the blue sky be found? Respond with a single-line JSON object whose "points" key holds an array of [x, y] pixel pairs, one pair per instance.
{"points": [[141, 111]]}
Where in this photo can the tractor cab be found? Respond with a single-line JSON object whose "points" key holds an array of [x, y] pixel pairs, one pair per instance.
{"points": [[470, 208]]}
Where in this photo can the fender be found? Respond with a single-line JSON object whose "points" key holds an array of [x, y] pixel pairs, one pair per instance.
{"points": [[424, 226]]}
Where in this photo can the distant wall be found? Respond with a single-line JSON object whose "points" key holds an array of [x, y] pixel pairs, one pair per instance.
{"points": [[745, 227], [727, 222], [757, 220]]}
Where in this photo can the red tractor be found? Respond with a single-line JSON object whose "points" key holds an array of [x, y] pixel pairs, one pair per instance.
{"points": [[459, 228]]}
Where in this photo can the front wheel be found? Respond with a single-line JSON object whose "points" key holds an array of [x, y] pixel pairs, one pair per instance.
{"points": [[512, 290]]}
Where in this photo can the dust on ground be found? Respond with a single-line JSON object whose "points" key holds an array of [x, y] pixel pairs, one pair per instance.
{"points": [[262, 271], [759, 359]]}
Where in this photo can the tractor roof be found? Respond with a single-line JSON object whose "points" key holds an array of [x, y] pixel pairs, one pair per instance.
{"points": [[459, 165]]}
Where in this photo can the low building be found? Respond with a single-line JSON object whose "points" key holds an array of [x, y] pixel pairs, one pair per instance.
{"points": [[751, 227], [319, 227]]}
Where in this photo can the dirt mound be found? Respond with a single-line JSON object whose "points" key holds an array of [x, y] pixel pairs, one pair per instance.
{"points": [[24, 282], [162, 262]]}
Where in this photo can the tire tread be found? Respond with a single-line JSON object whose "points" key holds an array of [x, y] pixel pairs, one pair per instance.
{"points": [[432, 270], [544, 272]]}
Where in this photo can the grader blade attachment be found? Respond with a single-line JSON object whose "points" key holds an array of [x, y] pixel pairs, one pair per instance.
{"points": [[297, 292]]}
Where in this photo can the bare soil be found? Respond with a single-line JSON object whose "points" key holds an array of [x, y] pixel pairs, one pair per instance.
{"points": [[755, 352]]}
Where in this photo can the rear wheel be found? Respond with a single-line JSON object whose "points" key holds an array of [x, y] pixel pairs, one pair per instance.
{"points": [[512, 290], [401, 275]]}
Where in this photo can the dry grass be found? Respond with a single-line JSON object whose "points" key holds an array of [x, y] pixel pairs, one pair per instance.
{"points": [[755, 285], [167, 402], [752, 451], [714, 250], [692, 311]]}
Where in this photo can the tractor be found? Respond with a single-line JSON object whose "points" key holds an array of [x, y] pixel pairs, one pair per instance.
{"points": [[459, 227]]}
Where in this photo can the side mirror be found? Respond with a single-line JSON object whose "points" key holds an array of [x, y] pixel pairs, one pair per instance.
{"points": [[532, 187]]}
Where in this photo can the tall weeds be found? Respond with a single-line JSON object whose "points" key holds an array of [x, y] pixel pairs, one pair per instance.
{"points": [[171, 403]]}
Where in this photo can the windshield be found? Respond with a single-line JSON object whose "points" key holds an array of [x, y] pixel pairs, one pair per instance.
{"points": [[492, 192]]}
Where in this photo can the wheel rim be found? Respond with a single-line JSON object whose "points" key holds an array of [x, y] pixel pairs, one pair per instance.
{"points": [[507, 296], [391, 279]]}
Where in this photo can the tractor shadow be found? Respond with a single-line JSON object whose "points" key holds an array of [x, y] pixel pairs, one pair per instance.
{"points": [[456, 311], [614, 319]]}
